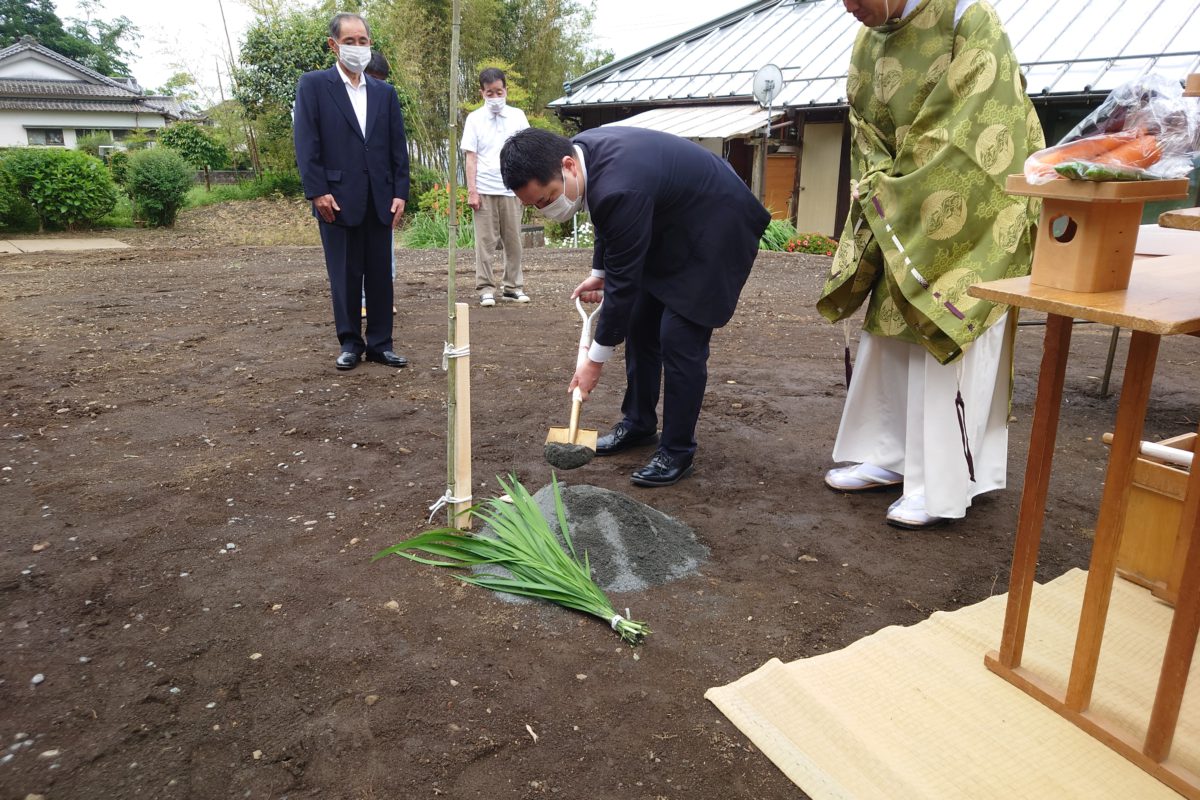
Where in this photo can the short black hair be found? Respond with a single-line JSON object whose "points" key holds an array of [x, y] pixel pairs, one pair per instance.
{"points": [[335, 24], [491, 75], [379, 66], [533, 155]]}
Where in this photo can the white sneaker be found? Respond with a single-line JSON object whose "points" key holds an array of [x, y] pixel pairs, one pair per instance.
{"points": [[861, 478], [488, 300], [909, 512], [516, 296]]}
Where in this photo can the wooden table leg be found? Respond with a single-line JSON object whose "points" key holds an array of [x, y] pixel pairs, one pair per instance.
{"points": [[1037, 482], [1185, 625], [1131, 413]]}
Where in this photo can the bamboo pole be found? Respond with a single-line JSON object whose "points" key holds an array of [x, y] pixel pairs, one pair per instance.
{"points": [[458, 388]]}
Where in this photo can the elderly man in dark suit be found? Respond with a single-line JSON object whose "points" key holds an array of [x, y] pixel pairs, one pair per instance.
{"points": [[353, 161], [676, 234]]}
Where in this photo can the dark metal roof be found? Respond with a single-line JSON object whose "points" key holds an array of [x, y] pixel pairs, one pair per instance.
{"points": [[1065, 49]]}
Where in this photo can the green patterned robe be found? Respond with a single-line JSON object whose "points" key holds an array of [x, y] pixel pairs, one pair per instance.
{"points": [[939, 117]]}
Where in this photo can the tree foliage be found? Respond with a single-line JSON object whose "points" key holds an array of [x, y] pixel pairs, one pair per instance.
{"points": [[539, 43], [195, 144], [275, 53], [102, 45]]}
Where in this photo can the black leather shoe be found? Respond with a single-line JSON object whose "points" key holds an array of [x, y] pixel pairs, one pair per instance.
{"points": [[347, 360], [663, 470], [622, 437], [388, 359]]}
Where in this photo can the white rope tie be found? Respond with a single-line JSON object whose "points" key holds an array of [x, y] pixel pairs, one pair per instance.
{"points": [[449, 352], [445, 500], [617, 618]]}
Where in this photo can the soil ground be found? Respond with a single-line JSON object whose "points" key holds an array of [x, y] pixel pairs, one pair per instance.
{"points": [[191, 496]]}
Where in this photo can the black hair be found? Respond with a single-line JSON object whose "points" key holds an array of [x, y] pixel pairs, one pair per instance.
{"points": [[335, 24], [379, 66], [491, 75], [533, 155]]}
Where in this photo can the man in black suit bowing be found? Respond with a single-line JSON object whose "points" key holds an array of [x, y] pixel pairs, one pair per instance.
{"points": [[676, 234], [353, 160]]}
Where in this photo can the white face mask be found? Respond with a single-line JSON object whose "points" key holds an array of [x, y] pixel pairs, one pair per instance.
{"points": [[495, 104], [562, 209], [354, 57]]}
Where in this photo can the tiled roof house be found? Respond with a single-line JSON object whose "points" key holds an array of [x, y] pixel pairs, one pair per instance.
{"points": [[46, 99]]}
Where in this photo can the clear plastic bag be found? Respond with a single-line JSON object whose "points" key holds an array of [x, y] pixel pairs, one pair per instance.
{"points": [[1144, 130]]}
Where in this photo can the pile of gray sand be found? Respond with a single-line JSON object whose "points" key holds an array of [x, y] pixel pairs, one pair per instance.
{"points": [[629, 545]]}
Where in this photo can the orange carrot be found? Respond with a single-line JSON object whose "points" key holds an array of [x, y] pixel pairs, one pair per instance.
{"points": [[1138, 153], [1080, 150], [1039, 168]]}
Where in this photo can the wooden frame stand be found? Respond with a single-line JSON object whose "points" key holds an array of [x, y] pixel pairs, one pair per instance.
{"points": [[1163, 298], [1088, 230]]}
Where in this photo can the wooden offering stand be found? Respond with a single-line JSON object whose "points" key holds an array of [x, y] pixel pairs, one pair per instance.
{"points": [[1088, 230], [1087, 276]]}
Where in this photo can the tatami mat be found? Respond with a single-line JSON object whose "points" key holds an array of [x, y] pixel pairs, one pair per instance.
{"points": [[913, 713]]}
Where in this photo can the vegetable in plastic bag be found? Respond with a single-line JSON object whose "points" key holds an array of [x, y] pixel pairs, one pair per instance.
{"points": [[1144, 130]]}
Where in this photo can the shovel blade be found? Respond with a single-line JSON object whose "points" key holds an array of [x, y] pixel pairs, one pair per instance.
{"points": [[583, 437]]}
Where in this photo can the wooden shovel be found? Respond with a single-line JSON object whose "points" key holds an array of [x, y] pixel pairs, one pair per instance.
{"points": [[565, 446]]}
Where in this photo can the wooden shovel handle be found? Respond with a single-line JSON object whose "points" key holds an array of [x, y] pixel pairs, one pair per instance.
{"points": [[576, 405]]}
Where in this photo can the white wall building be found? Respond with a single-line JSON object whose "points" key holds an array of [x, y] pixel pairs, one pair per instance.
{"points": [[46, 99]]}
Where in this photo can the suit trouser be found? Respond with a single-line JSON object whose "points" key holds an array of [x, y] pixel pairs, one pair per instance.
{"points": [[358, 259], [900, 415], [663, 346], [498, 220]]}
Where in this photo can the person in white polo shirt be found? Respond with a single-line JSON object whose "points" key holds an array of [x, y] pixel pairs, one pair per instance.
{"points": [[497, 210]]}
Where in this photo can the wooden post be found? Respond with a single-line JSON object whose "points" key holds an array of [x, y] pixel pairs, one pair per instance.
{"points": [[1127, 437], [461, 368], [1037, 481]]}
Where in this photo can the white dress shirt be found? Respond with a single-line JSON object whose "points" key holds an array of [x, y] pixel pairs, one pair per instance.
{"points": [[358, 97]]}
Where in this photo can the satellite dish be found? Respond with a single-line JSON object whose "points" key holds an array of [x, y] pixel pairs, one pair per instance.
{"points": [[768, 82]]}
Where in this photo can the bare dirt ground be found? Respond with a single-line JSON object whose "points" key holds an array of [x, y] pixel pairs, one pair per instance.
{"points": [[191, 495]]}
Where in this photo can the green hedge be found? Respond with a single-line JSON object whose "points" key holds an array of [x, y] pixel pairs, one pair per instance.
{"points": [[64, 188], [158, 181]]}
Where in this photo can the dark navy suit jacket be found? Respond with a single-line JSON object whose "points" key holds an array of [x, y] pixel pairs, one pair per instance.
{"points": [[671, 219], [335, 157]]}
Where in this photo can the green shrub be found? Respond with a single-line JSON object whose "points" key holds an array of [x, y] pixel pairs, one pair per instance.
{"points": [[158, 182], [582, 236], [282, 183], [15, 212], [66, 188], [777, 235], [120, 217], [420, 181], [118, 166], [817, 244], [436, 201], [429, 231], [286, 184], [91, 143]]}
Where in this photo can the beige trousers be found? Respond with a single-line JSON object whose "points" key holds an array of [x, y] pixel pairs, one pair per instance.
{"points": [[498, 220], [900, 415]]}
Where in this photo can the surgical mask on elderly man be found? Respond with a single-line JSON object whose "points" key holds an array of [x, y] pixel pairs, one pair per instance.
{"points": [[354, 57], [561, 209], [495, 104]]}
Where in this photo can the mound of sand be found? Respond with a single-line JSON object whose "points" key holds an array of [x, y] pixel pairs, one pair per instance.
{"points": [[629, 545]]}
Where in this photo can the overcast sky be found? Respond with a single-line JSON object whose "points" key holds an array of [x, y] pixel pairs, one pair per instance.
{"points": [[190, 32]]}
